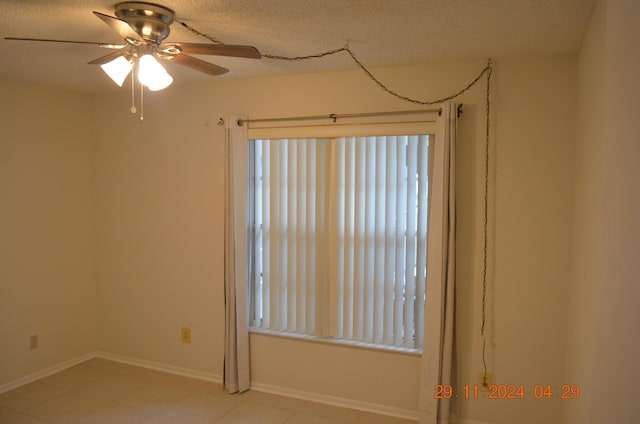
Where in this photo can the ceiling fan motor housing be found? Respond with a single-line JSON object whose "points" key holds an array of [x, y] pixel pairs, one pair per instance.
{"points": [[150, 21]]}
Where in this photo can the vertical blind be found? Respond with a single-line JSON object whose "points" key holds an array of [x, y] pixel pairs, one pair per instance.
{"points": [[339, 237]]}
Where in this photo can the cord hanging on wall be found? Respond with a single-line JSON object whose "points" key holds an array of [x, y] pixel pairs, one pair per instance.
{"points": [[485, 252]]}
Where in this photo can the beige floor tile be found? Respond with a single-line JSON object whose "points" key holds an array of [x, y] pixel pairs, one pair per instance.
{"points": [[161, 377], [74, 377], [114, 413], [104, 364], [154, 396], [317, 413], [249, 413], [275, 401], [112, 386], [165, 419], [134, 370], [305, 418], [8, 416], [177, 380], [213, 389], [201, 408], [367, 418], [30, 395], [146, 373], [67, 408], [100, 391]]}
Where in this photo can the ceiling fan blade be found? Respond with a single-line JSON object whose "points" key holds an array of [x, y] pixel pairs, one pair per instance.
{"points": [[197, 64], [106, 58], [249, 52], [121, 27], [95, 43]]}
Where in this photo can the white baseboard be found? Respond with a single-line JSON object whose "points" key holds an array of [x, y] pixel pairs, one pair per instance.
{"points": [[45, 372], [336, 401], [473, 422], [159, 366]]}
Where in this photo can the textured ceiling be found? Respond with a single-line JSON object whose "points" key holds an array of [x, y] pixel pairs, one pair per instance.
{"points": [[380, 32]]}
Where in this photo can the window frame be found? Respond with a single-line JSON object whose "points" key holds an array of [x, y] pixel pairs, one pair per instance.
{"points": [[304, 130]]}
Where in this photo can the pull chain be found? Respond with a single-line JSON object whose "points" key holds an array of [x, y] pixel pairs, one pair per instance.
{"points": [[133, 95], [133, 86]]}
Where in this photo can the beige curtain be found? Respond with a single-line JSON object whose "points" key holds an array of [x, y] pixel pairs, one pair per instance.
{"points": [[236, 266], [438, 358]]}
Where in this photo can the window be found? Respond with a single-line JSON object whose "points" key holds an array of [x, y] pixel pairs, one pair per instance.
{"points": [[339, 237]]}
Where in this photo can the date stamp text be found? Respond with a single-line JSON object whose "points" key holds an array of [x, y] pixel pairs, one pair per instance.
{"points": [[508, 391]]}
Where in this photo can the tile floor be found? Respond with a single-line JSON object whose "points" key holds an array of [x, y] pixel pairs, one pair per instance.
{"points": [[105, 392]]}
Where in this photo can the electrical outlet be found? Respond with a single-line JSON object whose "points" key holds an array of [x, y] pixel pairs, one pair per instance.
{"points": [[33, 342], [486, 379], [186, 335]]}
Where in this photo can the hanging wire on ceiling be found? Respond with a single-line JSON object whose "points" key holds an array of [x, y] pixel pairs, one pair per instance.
{"points": [[487, 70], [311, 56], [195, 31]]}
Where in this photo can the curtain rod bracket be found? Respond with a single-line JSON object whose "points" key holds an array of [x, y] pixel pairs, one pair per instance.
{"points": [[334, 117]]}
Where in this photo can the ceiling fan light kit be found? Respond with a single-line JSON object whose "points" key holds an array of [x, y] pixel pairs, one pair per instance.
{"points": [[152, 75], [118, 69], [150, 23]]}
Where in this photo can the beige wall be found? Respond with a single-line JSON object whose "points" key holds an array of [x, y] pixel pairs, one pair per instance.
{"points": [[157, 202], [159, 193], [46, 250], [530, 241], [604, 346], [589, 214], [160, 226]]}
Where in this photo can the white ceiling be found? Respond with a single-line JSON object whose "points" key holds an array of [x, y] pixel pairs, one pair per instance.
{"points": [[380, 32]]}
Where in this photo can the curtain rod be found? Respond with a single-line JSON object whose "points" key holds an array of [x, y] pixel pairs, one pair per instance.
{"points": [[335, 117]]}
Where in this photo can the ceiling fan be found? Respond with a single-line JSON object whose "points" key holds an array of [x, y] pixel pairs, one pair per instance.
{"points": [[144, 27]]}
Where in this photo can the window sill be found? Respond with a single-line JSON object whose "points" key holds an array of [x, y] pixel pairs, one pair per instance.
{"points": [[336, 342]]}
